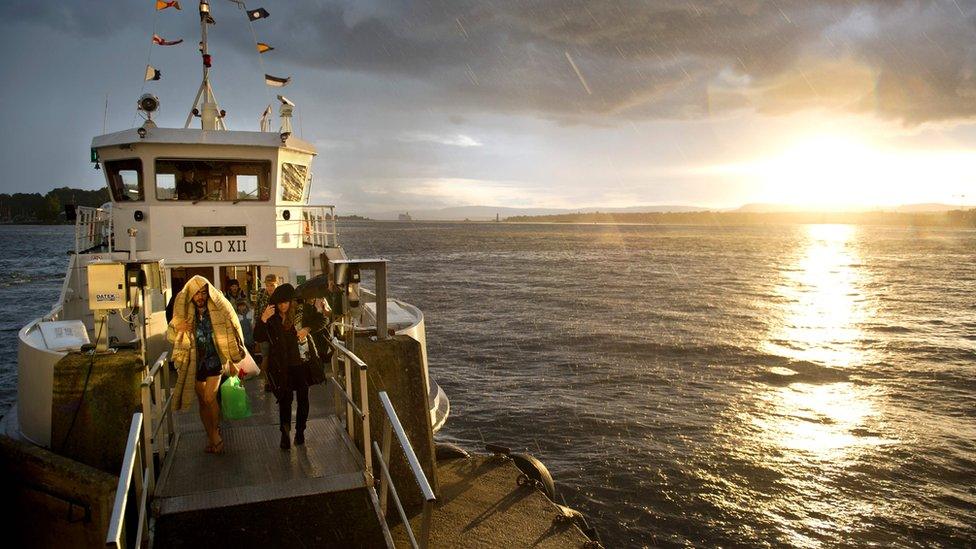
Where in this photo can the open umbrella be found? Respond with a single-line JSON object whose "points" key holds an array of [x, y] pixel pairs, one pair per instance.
{"points": [[314, 287]]}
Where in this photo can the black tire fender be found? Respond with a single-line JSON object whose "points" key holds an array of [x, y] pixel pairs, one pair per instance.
{"points": [[535, 471]]}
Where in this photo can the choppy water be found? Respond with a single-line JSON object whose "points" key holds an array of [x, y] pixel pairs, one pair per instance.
{"points": [[805, 385]]}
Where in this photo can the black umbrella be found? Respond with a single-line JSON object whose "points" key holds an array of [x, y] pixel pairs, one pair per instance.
{"points": [[314, 287]]}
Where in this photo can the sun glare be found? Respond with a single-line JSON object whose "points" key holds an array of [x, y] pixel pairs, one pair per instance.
{"points": [[843, 172]]}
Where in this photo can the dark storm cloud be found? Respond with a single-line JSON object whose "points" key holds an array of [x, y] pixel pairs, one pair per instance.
{"points": [[910, 60], [593, 60]]}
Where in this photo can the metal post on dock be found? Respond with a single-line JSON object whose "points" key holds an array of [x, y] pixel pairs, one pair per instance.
{"points": [[147, 432], [385, 454], [349, 424], [381, 332], [364, 406]]}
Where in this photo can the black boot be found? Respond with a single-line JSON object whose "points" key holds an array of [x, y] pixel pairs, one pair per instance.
{"points": [[299, 437], [285, 442]]}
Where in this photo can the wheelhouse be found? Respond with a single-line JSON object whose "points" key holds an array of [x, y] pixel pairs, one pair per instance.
{"points": [[224, 205]]}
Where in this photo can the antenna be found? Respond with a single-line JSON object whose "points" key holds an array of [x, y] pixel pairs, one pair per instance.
{"points": [[205, 103], [105, 116]]}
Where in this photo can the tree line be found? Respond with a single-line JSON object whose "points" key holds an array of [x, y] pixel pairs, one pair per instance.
{"points": [[47, 208]]}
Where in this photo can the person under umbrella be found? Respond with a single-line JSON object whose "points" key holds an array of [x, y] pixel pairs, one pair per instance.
{"points": [[286, 372]]}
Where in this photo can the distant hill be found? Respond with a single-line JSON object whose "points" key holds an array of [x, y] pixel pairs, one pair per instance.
{"points": [[487, 213], [906, 208], [950, 218]]}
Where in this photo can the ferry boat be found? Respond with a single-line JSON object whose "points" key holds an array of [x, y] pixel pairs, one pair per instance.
{"points": [[92, 439]]}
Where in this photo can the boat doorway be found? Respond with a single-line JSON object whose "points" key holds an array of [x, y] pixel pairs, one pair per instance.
{"points": [[245, 275], [180, 275]]}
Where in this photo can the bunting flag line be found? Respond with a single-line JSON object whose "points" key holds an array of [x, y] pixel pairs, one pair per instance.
{"points": [[162, 4], [160, 41], [152, 73], [262, 47], [259, 13], [276, 82]]}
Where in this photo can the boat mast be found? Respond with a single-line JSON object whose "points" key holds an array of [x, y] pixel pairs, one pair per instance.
{"points": [[205, 103]]}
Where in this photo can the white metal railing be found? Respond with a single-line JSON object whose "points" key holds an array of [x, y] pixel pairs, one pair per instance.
{"points": [[144, 442], [132, 463], [157, 397], [391, 425], [319, 226], [362, 411], [93, 229]]}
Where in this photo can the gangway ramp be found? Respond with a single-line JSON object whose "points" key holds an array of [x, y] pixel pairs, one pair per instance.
{"points": [[255, 493]]}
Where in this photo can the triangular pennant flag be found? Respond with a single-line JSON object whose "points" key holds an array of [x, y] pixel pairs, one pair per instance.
{"points": [[259, 13], [262, 47], [161, 5], [159, 40], [276, 82], [152, 73]]}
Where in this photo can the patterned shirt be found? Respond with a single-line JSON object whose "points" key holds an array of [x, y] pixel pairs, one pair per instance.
{"points": [[206, 349]]}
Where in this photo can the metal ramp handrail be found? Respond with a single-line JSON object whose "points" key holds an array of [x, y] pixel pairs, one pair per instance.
{"points": [[131, 463], [93, 229], [157, 399], [348, 358], [143, 443], [391, 424]]}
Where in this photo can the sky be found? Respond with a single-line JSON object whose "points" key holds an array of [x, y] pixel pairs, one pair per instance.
{"points": [[561, 104]]}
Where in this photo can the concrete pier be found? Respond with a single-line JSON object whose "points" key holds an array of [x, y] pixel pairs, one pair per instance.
{"points": [[52, 501], [480, 505]]}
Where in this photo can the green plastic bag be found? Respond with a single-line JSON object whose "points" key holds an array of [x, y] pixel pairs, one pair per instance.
{"points": [[233, 399]]}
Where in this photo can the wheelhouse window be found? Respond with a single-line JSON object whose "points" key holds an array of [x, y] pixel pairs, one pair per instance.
{"points": [[125, 179], [293, 180], [221, 180]]}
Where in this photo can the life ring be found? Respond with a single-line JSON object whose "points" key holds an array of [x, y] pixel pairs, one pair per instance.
{"points": [[307, 228]]}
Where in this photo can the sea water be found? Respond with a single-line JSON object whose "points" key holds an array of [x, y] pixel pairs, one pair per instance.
{"points": [[808, 385]]}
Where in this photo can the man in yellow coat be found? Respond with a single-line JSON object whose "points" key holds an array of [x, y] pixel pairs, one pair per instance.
{"points": [[207, 341]]}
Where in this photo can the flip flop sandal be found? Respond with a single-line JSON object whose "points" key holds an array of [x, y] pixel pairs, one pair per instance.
{"points": [[216, 448]]}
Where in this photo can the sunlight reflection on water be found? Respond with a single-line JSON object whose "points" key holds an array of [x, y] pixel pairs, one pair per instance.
{"points": [[815, 421]]}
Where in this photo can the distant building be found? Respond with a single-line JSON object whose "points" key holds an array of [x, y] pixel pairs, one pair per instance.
{"points": [[404, 217]]}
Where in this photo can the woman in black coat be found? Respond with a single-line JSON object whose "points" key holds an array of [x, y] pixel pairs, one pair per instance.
{"points": [[286, 371]]}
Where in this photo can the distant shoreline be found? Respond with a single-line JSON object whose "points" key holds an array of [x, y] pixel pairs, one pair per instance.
{"points": [[952, 218]]}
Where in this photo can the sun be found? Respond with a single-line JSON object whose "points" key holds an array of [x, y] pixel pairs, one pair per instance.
{"points": [[848, 172], [831, 172]]}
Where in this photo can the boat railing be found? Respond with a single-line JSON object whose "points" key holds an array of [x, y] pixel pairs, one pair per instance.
{"points": [[348, 358], [392, 425], [151, 432], [93, 229], [319, 226]]}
